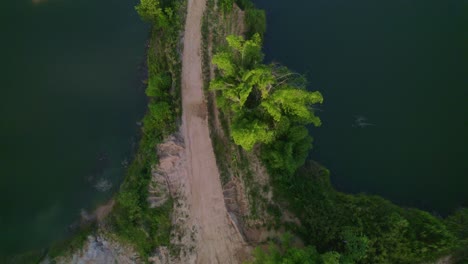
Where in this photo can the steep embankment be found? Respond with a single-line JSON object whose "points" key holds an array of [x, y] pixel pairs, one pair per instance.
{"points": [[218, 239]]}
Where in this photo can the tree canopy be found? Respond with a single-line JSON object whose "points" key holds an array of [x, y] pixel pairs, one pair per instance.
{"points": [[268, 104]]}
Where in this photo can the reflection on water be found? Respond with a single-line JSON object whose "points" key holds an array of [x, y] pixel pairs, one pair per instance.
{"points": [[103, 185], [71, 94], [361, 122], [37, 2]]}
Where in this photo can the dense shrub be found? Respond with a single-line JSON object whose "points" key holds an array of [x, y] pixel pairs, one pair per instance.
{"points": [[387, 233]]}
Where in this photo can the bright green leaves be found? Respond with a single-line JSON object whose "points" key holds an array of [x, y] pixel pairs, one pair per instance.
{"points": [[246, 53], [148, 9], [235, 42], [224, 62], [268, 104], [226, 5], [251, 53], [238, 95], [287, 107], [294, 103], [234, 96], [289, 152], [151, 11], [246, 133], [232, 64], [262, 78], [241, 93]]}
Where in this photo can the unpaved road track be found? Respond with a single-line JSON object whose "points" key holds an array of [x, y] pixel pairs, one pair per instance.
{"points": [[218, 240]]}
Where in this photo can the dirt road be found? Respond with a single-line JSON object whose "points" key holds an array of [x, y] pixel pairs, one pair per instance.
{"points": [[218, 240]]}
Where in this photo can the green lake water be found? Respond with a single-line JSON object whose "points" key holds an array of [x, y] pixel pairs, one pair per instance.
{"points": [[71, 96], [394, 75]]}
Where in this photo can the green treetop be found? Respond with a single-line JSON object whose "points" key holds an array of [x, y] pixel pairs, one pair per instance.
{"points": [[268, 104]]}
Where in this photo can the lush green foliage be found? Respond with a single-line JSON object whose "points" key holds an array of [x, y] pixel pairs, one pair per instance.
{"points": [[268, 104], [132, 219], [292, 255], [458, 224], [288, 152], [152, 11], [247, 133], [369, 229], [155, 83], [287, 254], [226, 5]]}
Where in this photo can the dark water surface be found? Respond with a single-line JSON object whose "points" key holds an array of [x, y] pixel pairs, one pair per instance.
{"points": [[70, 99], [394, 75]]}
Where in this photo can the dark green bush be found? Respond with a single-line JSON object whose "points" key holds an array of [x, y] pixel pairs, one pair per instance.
{"points": [[255, 21], [226, 5], [391, 234]]}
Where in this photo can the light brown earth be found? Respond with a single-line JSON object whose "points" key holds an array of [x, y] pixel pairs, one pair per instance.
{"points": [[218, 241]]}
